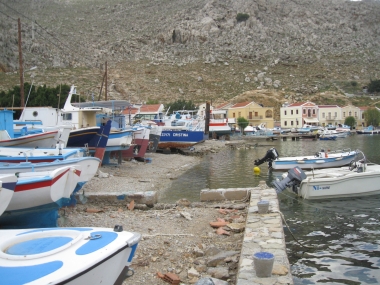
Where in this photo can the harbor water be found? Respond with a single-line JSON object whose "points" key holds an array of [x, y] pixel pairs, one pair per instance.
{"points": [[334, 241]]}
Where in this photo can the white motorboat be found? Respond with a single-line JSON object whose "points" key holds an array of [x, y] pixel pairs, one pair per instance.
{"points": [[73, 256], [360, 178], [321, 159]]}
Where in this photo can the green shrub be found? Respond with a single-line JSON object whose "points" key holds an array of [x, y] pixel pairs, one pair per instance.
{"points": [[374, 86], [240, 17], [354, 83]]}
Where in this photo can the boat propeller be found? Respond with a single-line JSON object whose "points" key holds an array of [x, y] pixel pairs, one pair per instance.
{"points": [[293, 179], [271, 155]]}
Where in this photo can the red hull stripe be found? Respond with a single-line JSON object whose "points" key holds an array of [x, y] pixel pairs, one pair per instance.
{"points": [[41, 184]]}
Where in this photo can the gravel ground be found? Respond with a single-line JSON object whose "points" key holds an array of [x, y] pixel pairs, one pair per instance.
{"points": [[177, 239]]}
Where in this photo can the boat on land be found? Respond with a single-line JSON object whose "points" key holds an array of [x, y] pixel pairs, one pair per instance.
{"points": [[42, 138], [38, 196], [88, 164], [172, 139], [96, 146], [77, 255], [7, 187], [321, 159], [360, 178]]}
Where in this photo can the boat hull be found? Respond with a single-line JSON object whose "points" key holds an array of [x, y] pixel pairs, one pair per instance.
{"points": [[44, 140], [180, 139], [309, 162], [72, 256], [7, 184], [141, 142], [38, 196], [337, 184]]}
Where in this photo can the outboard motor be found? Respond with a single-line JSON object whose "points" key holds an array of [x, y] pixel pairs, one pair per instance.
{"points": [[294, 178], [271, 155]]}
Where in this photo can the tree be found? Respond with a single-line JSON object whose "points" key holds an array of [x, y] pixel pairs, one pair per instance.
{"points": [[372, 117], [374, 86], [242, 123], [350, 121], [180, 105]]}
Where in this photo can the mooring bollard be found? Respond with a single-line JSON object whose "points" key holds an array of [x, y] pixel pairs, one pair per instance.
{"points": [[263, 206], [263, 262]]}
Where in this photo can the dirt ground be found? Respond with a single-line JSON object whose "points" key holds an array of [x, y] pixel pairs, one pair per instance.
{"points": [[178, 238]]}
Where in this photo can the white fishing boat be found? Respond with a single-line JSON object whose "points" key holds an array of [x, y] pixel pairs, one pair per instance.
{"points": [[38, 196], [360, 178], [321, 159], [89, 166], [7, 187], [73, 256]]}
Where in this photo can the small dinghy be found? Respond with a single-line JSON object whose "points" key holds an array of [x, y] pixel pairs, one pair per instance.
{"points": [[66, 256]]}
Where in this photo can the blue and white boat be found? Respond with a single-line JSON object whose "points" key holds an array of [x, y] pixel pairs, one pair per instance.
{"points": [[370, 130], [172, 139], [38, 196], [321, 159], [88, 164], [69, 256]]}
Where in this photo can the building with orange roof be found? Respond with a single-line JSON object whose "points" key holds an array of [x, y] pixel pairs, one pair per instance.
{"points": [[296, 115]]}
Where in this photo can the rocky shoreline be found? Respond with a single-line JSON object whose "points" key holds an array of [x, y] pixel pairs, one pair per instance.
{"points": [[180, 238]]}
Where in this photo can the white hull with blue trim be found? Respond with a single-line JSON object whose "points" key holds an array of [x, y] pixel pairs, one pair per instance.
{"points": [[321, 159], [7, 187], [38, 196], [74, 256]]}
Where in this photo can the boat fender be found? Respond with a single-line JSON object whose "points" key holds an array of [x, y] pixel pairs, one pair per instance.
{"points": [[326, 155]]}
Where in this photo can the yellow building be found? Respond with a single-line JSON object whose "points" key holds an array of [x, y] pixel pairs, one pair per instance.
{"points": [[253, 112], [352, 111]]}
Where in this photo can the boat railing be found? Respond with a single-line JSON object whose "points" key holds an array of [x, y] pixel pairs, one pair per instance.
{"points": [[340, 150]]}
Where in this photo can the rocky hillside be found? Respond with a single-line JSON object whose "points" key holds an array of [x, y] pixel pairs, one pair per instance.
{"points": [[195, 49]]}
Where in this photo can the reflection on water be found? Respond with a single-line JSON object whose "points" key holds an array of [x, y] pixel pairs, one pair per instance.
{"points": [[338, 240]]}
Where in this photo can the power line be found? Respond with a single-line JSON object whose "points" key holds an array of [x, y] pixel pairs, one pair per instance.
{"points": [[50, 34]]}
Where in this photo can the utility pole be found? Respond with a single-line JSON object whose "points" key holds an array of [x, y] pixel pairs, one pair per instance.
{"points": [[20, 63], [106, 84]]}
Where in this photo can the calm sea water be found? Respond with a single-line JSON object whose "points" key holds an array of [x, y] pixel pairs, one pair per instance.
{"points": [[335, 241]]}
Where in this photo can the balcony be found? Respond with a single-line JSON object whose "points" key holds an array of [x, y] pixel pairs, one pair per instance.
{"points": [[255, 118]]}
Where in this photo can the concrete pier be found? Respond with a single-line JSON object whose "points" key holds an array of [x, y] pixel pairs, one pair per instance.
{"points": [[263, 232]]}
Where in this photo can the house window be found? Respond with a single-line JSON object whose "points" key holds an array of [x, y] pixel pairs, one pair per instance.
{"points": [[250, 115], [313, 111], [304, 111], [344, 114], [362, 116], [285, 112], [233, 115], [239, 114], [297, 111], [336, 114], [349, 113], [329, 115], [256, 114], [291, 112], [297, 122], [323, 115], [291, 123], [285, 123], [356, 114]]}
